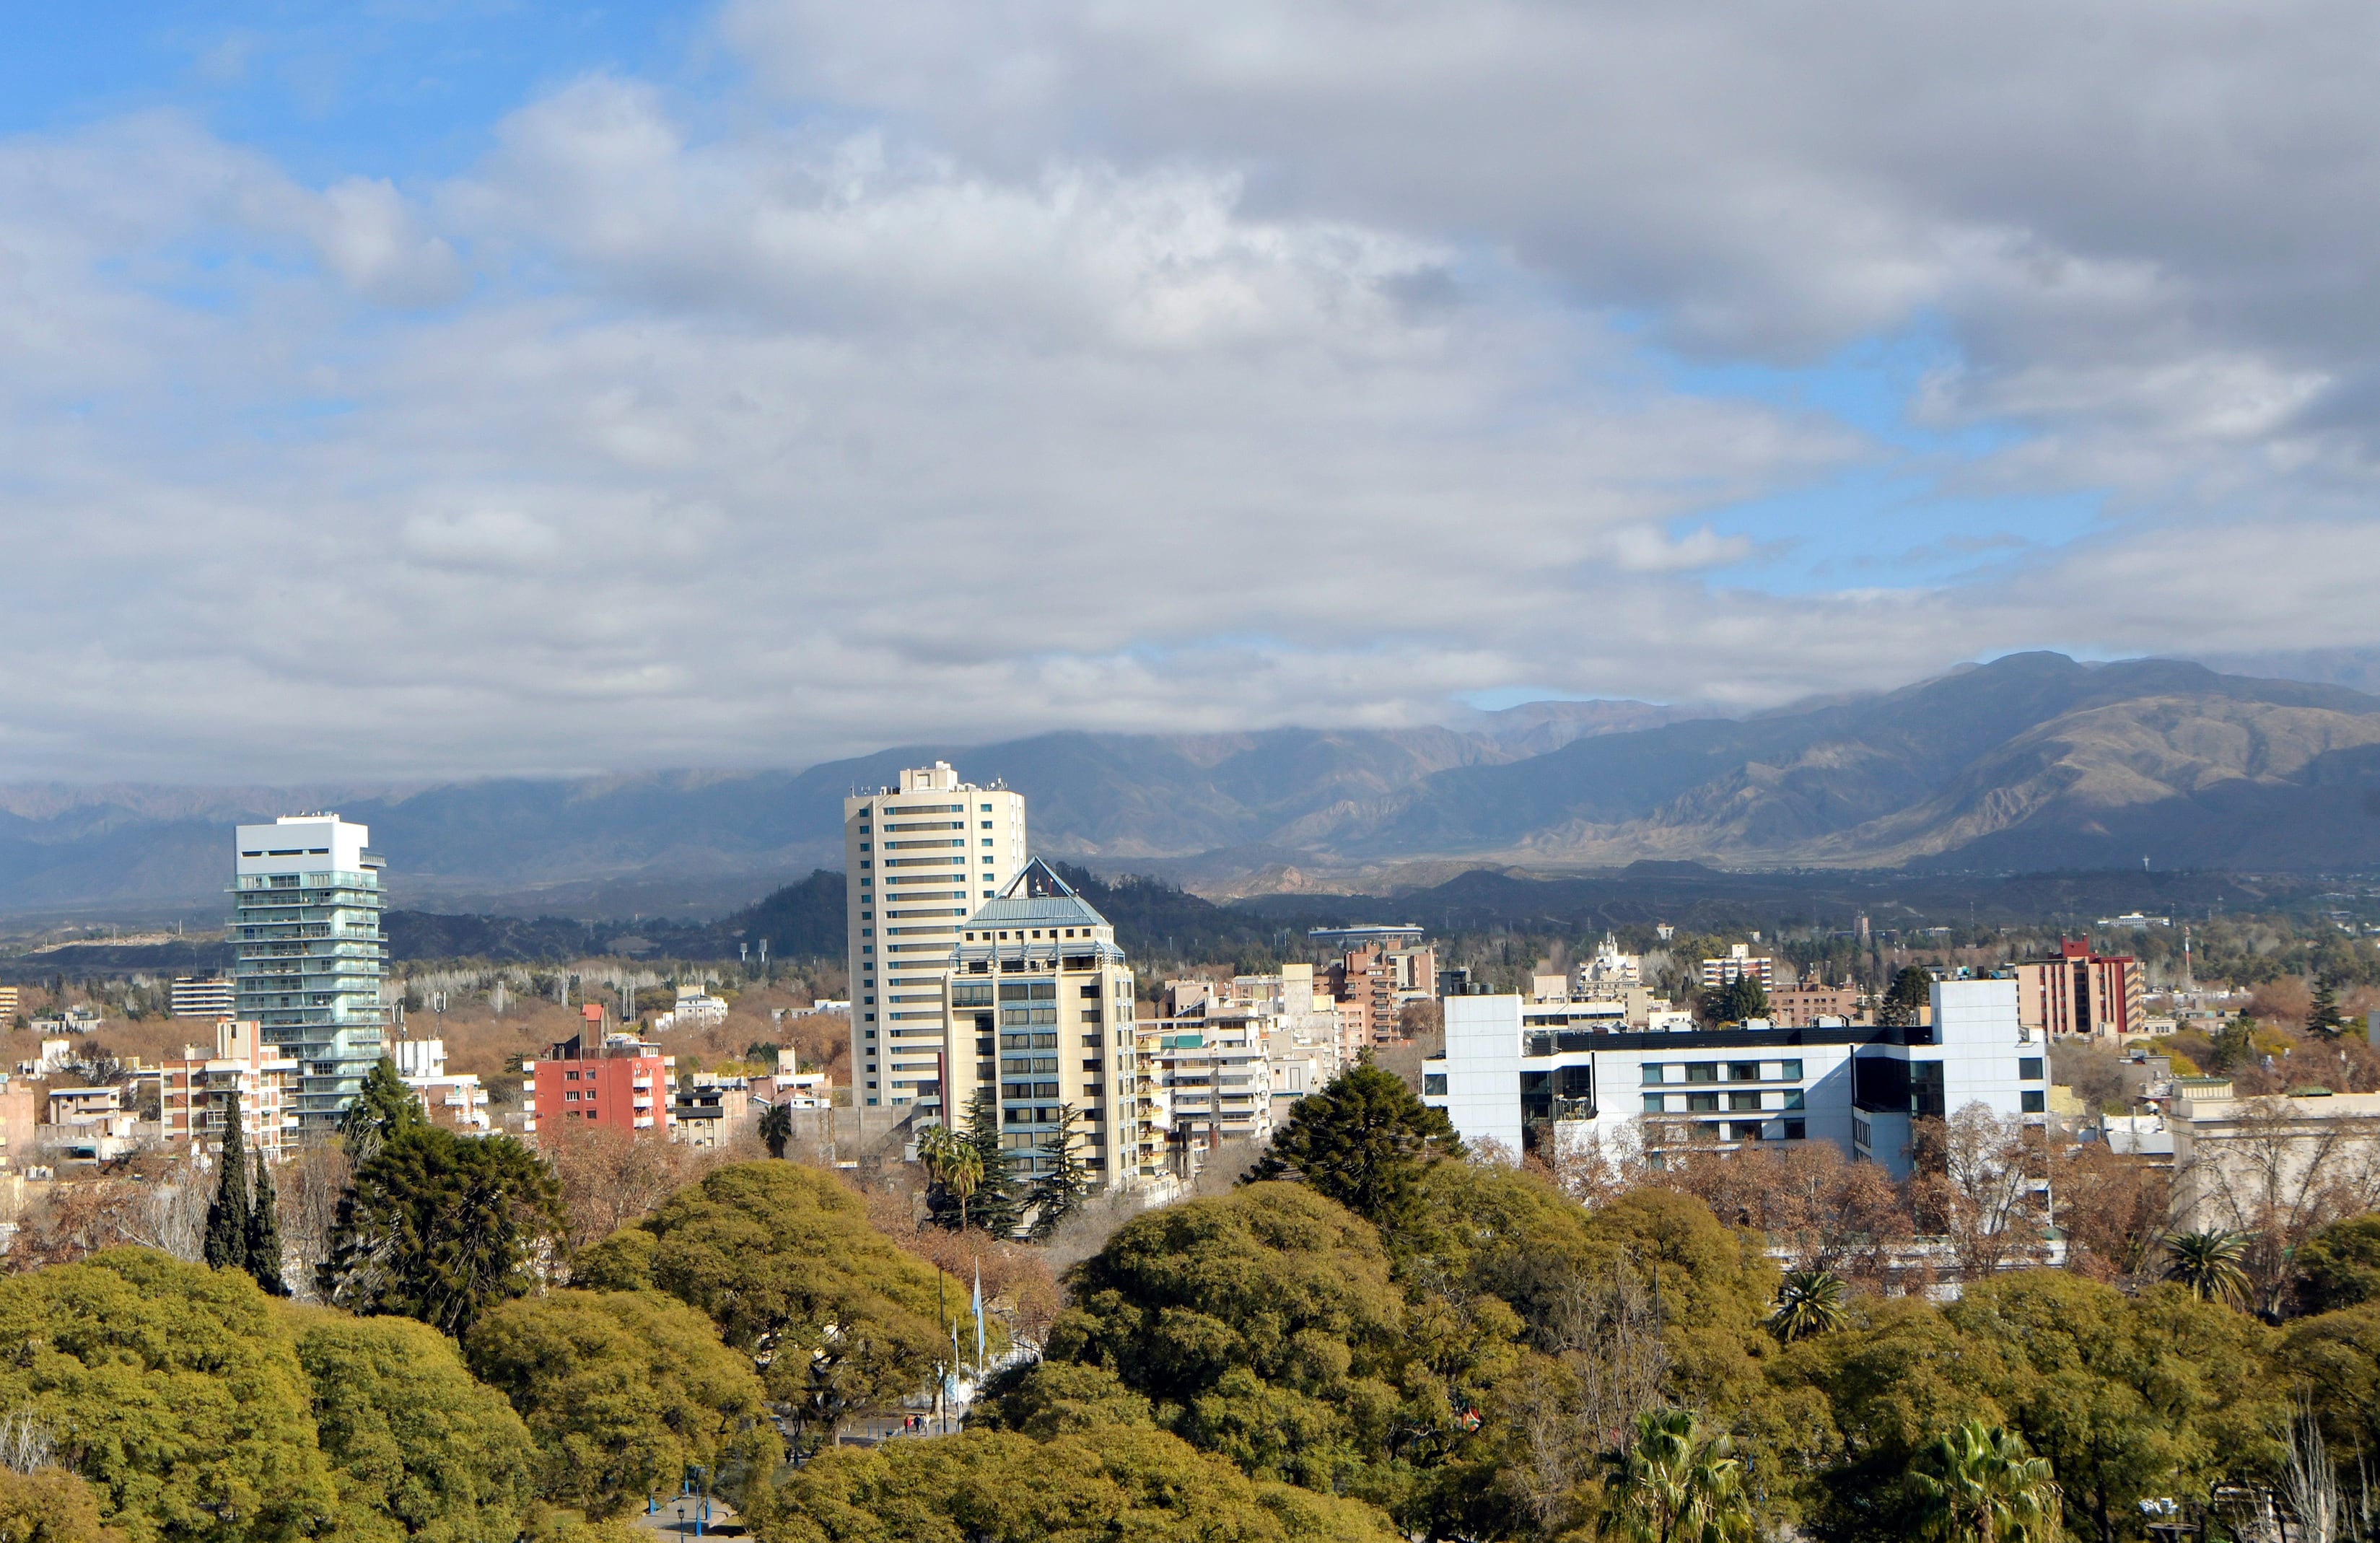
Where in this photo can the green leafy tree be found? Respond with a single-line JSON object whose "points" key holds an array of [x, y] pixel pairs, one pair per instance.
{"points": [[1674, 1484], [1979, 1482], [1363, 1141], [1808, 1301], [228, 1215], [440, 1227], [2324, 1019], [2127, 1398], [777, 1128], [2335, 1357], [2233, 1045], [1911, 988], [2339, 1266], [51, 1505], [1263, 1324], [781, 1254], [2210, 1264], [177, 1392], [263, 1242], [419, 1449], [1744, 997], [622, 1392], [1113, 1481], [383, 1107], [1058, 1190]]}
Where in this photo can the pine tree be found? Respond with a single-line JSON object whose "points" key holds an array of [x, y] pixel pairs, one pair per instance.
{"points": [[2323, 1018], [383, 1106], [1059, 1191], [995, 1208], [226, 1247], [265, 1233]]}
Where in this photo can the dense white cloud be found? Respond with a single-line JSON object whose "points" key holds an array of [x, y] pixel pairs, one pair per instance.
{"points": [[1018, 366]]}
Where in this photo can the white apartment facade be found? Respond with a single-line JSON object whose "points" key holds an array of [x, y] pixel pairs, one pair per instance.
{"points": [[308, 959], [1573, 1074], [921, 857], [1739, 961]]}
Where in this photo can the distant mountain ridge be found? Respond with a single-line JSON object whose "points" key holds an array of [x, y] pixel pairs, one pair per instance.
{"points": [[2032, 761]]}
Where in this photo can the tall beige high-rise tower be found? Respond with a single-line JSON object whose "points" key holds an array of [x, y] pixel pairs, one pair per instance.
{"points": [[922, 857]]}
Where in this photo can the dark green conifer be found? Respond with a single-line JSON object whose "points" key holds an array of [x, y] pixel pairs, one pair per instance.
{"points": [[227, 1217]]}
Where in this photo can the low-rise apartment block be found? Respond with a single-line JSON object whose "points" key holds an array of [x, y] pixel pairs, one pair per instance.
{"points": [[193, 997], [452, 1100], [194, 1090], [1739, 961], [591, 1078], [1553, 1077]]}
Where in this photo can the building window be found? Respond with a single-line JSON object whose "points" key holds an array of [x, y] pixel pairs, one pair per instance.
{"points": [[1797, 1130], [1744, 1070], [1433, 1085], [1704, 1071], [1789, 1071], [1653, 1103], [1652, 1073], [1701, 1103], [2033, 1101], [2028, 1068], [1743, 1100]]}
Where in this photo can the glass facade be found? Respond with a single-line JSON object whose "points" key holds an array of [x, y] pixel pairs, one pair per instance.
{"points": [[308, 966]]}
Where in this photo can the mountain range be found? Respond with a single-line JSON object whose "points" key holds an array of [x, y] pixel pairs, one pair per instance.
{"points": [[2033, 762]]}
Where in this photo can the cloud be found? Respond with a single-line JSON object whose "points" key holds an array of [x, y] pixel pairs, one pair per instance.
{"points": [[1030, 365]]}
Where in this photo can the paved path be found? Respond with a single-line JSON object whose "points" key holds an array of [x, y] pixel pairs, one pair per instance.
{"points": [[665, 1523]]}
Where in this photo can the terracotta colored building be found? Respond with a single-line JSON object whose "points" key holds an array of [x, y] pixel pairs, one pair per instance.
{"points": [[191, 1090], [1803, 1003], [2097, 996], [618, 1080]]}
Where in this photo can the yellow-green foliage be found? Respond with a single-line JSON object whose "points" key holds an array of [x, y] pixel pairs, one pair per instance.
{"points": [[420, 1450], [50, 1505], [1088, 1486], [783, 1259], [622, 1390], [178, 1392]]}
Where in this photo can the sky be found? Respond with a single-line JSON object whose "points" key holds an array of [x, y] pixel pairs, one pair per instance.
{"points": [[444, 388]]}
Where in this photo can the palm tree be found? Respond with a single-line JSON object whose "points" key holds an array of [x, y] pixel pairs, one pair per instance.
{"points": [[1672, 1484], [1808, 1301], [2209, 1263], [1979, 1482], [954, 1163], [777, 1128]]}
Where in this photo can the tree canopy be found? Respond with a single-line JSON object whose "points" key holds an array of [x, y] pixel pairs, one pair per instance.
{"points": [[1363, 1141], [783, 1259], [417, 1448], [622, 1390], [441, 1227], [178, 1392], [1114, 1481]]}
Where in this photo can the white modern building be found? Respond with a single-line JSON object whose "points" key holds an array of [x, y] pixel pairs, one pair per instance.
{"points": [[308, 959], [1574, 1075], [920, 857]]}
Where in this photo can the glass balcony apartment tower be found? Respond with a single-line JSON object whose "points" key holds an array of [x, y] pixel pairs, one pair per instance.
{"points": [[308, 960]]}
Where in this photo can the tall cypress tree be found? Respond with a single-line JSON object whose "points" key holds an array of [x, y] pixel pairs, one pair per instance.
{"points": [[227, 1217], [265, 1233]]}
